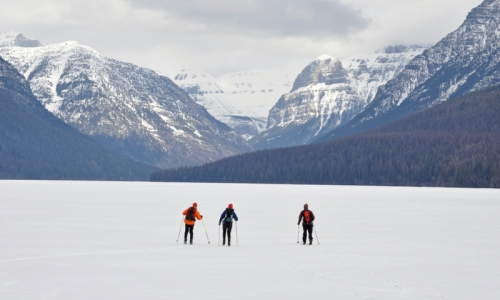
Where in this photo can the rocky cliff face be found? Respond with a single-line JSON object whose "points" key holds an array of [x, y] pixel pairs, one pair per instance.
{"points": [[239, 99], [467, 59], [129, 109], [328, 93]]}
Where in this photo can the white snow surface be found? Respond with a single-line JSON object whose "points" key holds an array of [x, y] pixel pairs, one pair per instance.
{"points": [[117, 240]]}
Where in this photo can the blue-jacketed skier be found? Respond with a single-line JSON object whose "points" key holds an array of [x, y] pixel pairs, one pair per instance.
{"points": [[227, 223]]}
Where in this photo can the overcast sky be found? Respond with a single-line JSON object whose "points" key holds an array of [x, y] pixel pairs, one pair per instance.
{"points": [[220, 36]]}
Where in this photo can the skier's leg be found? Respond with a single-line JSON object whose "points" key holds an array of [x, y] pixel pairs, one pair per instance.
{"points": [[186, 229], [304, 234], [224, 229], [191, 234], [229, 228], [310, 229]]}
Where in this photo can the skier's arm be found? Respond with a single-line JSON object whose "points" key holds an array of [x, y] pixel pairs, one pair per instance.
{"points": [[198, 216], [300, 217], [312, 216], [185, 211], [222, 216], [235, 216]]}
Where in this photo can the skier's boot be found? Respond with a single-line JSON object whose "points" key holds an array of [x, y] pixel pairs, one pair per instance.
{"points": [[185, 242], [190, 242], [223, 242], [310, 242], [228, 243], [303, 242]]}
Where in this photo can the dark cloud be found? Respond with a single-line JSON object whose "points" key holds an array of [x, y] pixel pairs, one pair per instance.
{"points": [[313, 18]]}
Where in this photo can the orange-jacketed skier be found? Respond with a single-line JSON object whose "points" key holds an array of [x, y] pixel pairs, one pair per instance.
{"points": [[192, 213]]}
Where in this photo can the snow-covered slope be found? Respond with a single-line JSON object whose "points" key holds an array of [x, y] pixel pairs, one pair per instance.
{"points": [[129, 109], [102, 241], [328, 93], [465, 60], [12, 38], [240, 99]]}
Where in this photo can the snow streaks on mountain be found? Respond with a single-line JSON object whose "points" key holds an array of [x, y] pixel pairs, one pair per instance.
{"points": [[131, 110], [328, 93], [465, 60], [240, 99]]}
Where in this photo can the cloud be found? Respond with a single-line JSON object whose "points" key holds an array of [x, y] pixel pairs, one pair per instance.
{"points": [[288, 18], [219, 36]]}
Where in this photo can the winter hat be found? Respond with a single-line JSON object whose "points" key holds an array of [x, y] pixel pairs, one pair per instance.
{"points": [[230, 205], [195, 204]]}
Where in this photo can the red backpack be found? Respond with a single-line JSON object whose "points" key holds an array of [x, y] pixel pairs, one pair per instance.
{"points": [[307, 216]]}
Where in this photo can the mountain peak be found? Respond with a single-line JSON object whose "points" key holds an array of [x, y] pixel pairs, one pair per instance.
{"points": [[325, 57], [16, 39], [324, 69]]}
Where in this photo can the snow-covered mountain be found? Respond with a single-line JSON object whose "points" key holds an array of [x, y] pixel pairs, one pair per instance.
{"points": [[13, 38], [131, 110], [239, 99], [467, 59], [328, 93]]}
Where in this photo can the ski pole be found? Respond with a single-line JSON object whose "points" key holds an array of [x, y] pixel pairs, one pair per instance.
{"points": [[180, 230], [218, 243], [236, 233], [316, 234], [298, 233], [205, 230]]}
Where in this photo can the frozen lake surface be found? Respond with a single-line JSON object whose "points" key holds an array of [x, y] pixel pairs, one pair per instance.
{"points": [[113, 240]]}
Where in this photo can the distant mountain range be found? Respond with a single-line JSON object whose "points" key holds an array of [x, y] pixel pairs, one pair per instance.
{"points": [[131, 110], [415, 131], [11, 39], [239, 99], [455, 144], [328, 93], [466, 60], [34, 144]]}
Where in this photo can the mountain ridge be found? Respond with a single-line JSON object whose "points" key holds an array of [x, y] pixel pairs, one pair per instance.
{"points": [[129, 109], [463, 61]]}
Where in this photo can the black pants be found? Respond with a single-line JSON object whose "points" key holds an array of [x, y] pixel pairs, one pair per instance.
{"points": [[189, 228], [307, 228], [226, 227]]}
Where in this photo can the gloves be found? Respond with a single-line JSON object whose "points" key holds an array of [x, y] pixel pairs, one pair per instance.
{"points": [[298, 224], [201, 216], [219, 223]]}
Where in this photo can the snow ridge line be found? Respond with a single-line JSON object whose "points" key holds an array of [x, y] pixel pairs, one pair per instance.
{"points": [[86, 254]]}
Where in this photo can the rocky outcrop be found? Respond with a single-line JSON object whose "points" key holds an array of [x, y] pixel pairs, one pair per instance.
{"points": [[328, 93]]}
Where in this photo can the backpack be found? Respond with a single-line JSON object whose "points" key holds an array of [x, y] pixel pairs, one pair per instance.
{"points": [[307, 217], [228, 218], [190, 214]]}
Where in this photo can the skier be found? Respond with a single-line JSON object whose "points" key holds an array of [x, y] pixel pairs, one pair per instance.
{"points": [[307, 218], [227, 223], [191, 214]]}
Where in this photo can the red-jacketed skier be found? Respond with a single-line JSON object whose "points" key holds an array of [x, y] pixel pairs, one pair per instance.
{"points": [[191, 214], [307, 218], [227, 223]]}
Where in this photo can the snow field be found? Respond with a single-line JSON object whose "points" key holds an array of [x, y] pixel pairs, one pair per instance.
{"points": [[117, 240]]}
